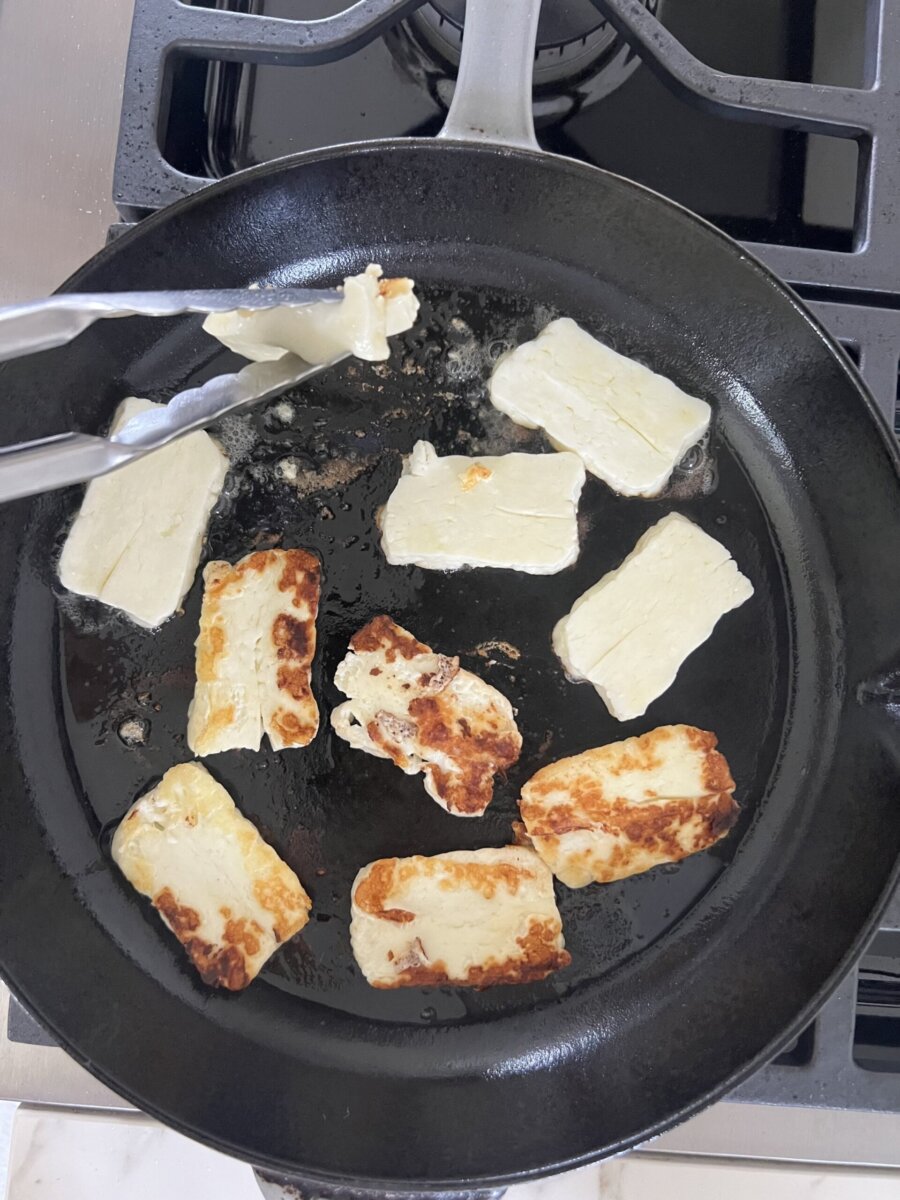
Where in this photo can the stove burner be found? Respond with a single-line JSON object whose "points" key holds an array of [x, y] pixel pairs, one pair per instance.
{"points": [[575, 47]]}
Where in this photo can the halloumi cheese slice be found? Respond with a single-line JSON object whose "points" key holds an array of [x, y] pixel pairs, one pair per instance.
{"points": [[224, 893], [629, 634], [513, 510], [629, 425], [136, 541], [372, 310], [254, 653], [421, 711], [624, 808], [470, 917]]}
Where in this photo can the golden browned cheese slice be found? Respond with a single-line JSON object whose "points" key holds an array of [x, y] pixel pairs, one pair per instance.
{"points": [[469, 917], [224, 893], [424, 713], [624, 808], [254, 653]]}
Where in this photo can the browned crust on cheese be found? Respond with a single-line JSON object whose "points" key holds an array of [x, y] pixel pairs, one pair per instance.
{"points": [[300, 577], [480, 745], [374, 888], [286, 901], [475, 474], [219, 718], [486, 878], [294, 640], [382, 633], [210, 649], [244, 934], [520, 836], [383, 882], [478, 753], [218, 966], [226, 965], [181, 919], [387, 875], [653, 828], [716, 772], [212, 644], [436, 681], [293, 730], [292, 637], [391, 288], [540, 958], [220, 576]]}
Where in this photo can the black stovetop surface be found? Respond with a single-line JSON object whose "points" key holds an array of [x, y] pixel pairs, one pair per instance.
{"points": [[756, 182]]}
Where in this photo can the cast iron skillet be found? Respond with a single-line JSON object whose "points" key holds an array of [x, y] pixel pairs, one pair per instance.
{"points": [[684, 979]]}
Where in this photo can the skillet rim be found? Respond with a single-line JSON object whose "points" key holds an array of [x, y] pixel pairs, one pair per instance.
{"points": [[889, 442]]}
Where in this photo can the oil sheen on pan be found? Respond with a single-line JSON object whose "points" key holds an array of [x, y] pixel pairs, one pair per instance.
{"points": [[311, 471]]}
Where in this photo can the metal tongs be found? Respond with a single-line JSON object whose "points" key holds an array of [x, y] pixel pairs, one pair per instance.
{"points": [[40, 466]]}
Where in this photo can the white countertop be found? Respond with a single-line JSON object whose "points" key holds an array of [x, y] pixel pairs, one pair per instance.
{"points": [[102, 1156], [62, 63]]}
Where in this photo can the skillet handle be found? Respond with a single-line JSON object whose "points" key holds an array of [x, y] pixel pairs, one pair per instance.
{"points": [[288, 1187], [492, 100]]}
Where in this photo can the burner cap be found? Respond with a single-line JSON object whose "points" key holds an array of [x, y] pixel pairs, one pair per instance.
{"points": [[561, 22], [571, 37]]}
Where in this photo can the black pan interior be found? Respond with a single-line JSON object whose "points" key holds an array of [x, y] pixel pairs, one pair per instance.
{"points": [[681, 978]]}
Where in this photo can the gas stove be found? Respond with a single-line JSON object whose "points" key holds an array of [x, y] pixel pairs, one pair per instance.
{"points": [[777, 120]]}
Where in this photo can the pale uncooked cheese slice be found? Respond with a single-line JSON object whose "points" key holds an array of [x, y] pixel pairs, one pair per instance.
{"points": [[372, 310], [224, 893], [469, 917], [255, 650], [629, 634], [629, 425], [136, 541], [424, 713], [624, 808], [518, 511]]}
